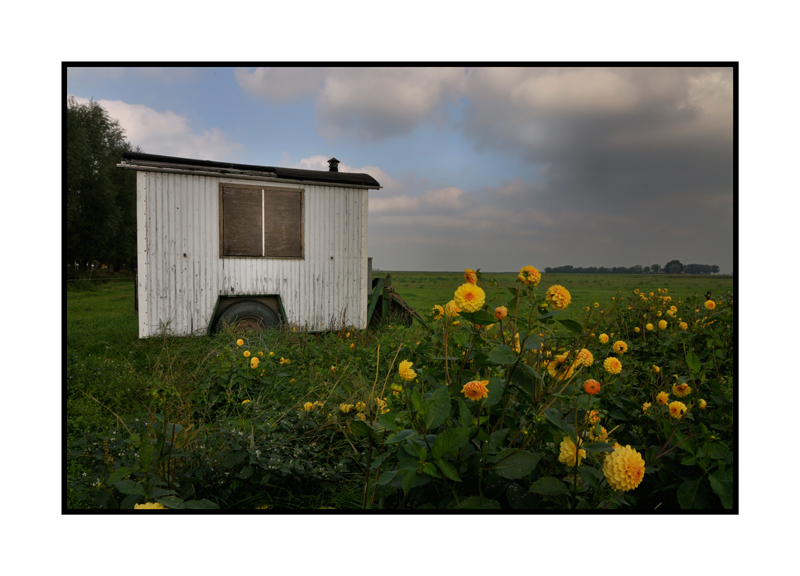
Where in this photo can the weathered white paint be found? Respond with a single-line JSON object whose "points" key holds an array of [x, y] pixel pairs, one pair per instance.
{"points": [[141, 249], [179, 214]]}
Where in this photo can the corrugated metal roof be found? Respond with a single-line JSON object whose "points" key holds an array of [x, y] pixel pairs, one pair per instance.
{"points": [[350, 178]]}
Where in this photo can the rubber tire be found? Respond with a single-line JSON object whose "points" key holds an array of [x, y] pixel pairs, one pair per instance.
{"points": [[258, 316]]}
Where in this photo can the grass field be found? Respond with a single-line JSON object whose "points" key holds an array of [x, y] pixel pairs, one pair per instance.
{"points": [[115, 380], [422, 290]]}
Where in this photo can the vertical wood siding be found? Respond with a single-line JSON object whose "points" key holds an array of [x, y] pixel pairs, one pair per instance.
{"points": [[179, 214]]}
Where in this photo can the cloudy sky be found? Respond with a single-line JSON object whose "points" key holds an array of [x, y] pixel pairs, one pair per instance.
{"points": [[491, 168]]}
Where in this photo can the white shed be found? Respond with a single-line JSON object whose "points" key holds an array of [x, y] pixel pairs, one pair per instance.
{"points": [[222, 242]]}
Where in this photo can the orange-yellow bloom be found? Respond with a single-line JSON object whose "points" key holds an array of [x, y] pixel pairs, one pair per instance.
{"points": [[529, 276], [612, 365], [603, 338], [662, 324], [247, 353], [619, 347], [469, 297], [677, 409], [150, 506], [702, 404], [451, 309], [500, 312], [558, 297], [662, 398], [470, 276], [254, 362], [710, 304], [476, 389], [649, 326], [681, 390], [591, 386], [308, 406], [437, 311], [406, 373], [559, 368], [569, 453], [623, 468], [584, 358], [646, 407]]}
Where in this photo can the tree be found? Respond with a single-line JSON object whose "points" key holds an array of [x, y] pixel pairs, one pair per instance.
{"points": [[646, 269], [714, 269], [101, 198], [655, 268], [673, 267]]}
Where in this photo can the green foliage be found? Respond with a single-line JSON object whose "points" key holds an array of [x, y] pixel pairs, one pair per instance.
{"points": [[100, 198], [189, 422]]}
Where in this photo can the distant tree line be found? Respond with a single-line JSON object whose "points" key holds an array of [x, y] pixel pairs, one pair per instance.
{"points": [[671, 267], [100, 198]]}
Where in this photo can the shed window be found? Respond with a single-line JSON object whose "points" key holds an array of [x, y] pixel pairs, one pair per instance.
{"points": [[261, 222]]}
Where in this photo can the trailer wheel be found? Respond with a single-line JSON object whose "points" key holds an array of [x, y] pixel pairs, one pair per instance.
{"points": [[249, 315]]}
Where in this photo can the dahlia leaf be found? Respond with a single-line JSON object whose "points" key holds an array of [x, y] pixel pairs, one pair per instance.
{"points": [[722, 484], [598, 447], [549, 486], [448, 470], [450, 441], [479, 503], [502, 354], [692, 495], [437, 408], [513, 464], [571, 325]]}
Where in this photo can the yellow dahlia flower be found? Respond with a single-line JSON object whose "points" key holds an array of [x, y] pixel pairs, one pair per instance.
{"points": [[254, 362], [247, 353], [438, 311], [308, 406], [681, 390], [584, 358], [677, 409], [702, 404], [516, 345], [361, 416], [662, 324], [558, 297], [673, 308], [591, 417], [476, 389], [559, 368], [662, 398], [623, 468], [451, 309], [602, 437], [656, 369], [245, 402], [271, 354], [361, 406], [470, 276], [239, 342], [591, 386], [469, 297], [406, 373], [603, 338], [620, 347], [710, 304], [150, 506], [500, 312], [612, 365], [636, 291], [649, 326], [646, 407], [569, 454], [529, 276], [637, 330], [345, 408], [683, 326]]}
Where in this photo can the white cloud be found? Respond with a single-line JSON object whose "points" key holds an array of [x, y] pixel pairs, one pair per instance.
{"points": [[280, 84], [168, 133], [372, 103]]}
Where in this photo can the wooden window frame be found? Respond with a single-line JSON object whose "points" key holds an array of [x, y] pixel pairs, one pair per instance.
{"points": [[264, 218]]}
